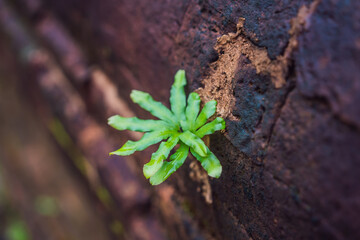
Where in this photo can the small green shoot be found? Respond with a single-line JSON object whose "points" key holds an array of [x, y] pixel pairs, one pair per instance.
{"points": [[182, 125]]}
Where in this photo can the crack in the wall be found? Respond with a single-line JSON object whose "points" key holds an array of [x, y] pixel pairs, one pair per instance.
{"points": [[298, 25], [219, 84], [278, 114]]}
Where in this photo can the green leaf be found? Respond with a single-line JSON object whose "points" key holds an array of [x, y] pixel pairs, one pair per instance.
{"points": [[168, 168], [210, 163], [211, 127], [192, 110], [136, 124], [155, 108], [194, 142], [177, 95], [159, 156], [208, 110], [147, 140]]}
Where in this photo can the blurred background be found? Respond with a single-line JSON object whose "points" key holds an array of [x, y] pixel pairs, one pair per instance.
{"points": [[286, 78], [55, 180]]}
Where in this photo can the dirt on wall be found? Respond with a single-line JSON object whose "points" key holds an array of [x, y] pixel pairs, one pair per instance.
{"points": [[286, 78]]}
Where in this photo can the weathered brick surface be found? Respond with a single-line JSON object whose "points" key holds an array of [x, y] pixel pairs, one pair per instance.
{"points": [[287, 83]]}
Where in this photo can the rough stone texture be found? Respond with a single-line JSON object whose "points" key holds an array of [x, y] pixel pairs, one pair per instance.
{"points": [[311, 181], [328, 65], [286, 77]]}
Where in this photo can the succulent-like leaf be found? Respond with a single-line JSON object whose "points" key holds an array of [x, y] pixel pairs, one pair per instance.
{"points": [[159, 156], [208, 110], [210, 163], [192, 110], [147, 140], [177, 95], [194, 142], [138, 125], [168, 168], [154, 107], [211, 127]]}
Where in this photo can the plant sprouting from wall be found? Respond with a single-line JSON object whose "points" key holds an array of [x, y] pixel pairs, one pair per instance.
{"points": [[183, 125]]}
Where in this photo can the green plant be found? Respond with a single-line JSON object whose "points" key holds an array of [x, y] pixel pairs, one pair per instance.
{"points": [[182, 124]]}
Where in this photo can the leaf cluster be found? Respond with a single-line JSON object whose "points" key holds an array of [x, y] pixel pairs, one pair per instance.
{"points": [[184, 125]]}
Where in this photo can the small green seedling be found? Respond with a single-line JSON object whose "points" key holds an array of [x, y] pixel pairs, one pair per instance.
{"points": [[181, 125]]}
